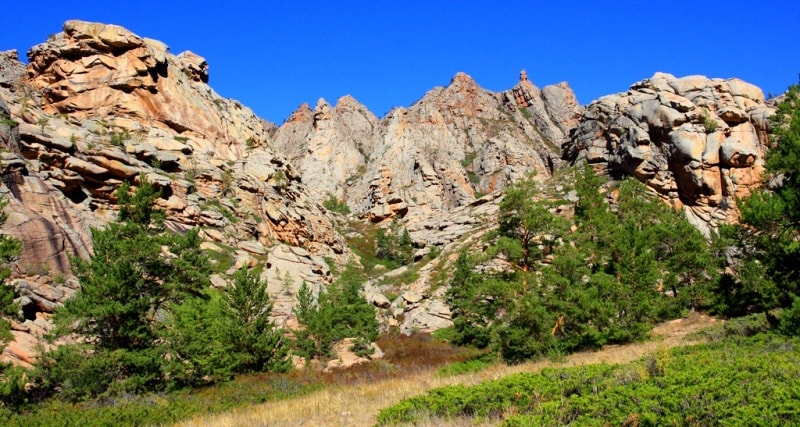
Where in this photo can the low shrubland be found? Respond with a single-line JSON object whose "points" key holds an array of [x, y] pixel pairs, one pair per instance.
{"points": [[735, 380]]}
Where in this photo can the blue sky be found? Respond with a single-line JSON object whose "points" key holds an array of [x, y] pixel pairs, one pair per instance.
{"points": [[273, 56]]}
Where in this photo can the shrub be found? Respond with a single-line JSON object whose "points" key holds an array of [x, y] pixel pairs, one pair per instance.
{"points": [[279, 179], [118, 139], [394, 246], [8, 122], [790, 319], [335, 205], [719, 383], [709, 124]]}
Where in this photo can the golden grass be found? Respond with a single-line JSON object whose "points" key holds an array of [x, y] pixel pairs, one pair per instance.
{"points": [[358, 404]]}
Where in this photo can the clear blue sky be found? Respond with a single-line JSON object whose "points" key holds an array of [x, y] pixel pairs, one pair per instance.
{"points": [[273, 56]]}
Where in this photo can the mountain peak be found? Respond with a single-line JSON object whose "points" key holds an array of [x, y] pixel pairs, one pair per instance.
{"points": [[303, 113], [462, 79], [348, 101]]}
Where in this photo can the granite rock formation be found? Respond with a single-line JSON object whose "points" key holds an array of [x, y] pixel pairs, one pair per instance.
{"points": [[447, 149], [697, 142], [98, 105]]}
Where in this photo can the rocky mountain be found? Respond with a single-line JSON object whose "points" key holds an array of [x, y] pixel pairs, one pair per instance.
{"points": [[98, 105], [447, 149], [697, 142]]}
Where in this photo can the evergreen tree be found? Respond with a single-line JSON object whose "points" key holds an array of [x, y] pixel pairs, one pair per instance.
{"points": [[201, 341], [12, 381], [616, 272], [258, 342], [9, 250], [527, 229], [136, 278], [336, 313], [315, 314], [130, 279], [394, 246], [477, 302], [767, 243]]}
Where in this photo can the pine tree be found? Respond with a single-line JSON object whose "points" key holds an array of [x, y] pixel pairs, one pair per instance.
{"points": [[527, 229], [257, 340], [336, 313], [394, 245], [611, 277], [768, 240], [130, 279], [137, 276], [9, 250]]}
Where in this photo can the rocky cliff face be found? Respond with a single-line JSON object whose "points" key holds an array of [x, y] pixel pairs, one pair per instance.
{"points": [[697, 142], [441, 152], [98, 105]]}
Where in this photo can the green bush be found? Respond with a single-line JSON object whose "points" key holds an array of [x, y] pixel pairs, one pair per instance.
{"points": [[709, 125], [790, 319], [118, 139], [335, 205], [473, 364], [8, 122], [736, 381]]}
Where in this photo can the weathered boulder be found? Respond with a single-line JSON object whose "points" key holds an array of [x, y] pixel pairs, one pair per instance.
{"points": [[345, 357], [698, 142], [12, 71]]}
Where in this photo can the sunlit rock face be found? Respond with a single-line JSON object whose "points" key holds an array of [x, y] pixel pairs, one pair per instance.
{"points": [[98, 105], [442, 152], [698, 142]]}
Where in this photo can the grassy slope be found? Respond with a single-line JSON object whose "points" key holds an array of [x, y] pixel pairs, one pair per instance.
{"points": [[734, 379], [358, 404]]}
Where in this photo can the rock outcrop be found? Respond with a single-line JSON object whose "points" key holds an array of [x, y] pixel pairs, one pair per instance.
{"points": [[447, 149], [420, 305], [98, 105], [697, 142]]}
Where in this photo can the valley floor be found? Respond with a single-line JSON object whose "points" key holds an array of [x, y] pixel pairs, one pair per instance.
{"points": [[359, 404]]}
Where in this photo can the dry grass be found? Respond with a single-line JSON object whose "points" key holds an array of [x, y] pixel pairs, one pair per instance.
{"points": [[358, 403]]}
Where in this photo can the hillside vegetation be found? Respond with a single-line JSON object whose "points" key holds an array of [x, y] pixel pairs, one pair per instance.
{"points": [[736, 380], [199, 271]]}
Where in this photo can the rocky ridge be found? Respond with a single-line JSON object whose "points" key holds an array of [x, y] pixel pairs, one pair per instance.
{"points": [[98, 105], [447, 149]]}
